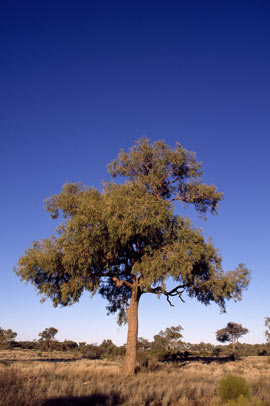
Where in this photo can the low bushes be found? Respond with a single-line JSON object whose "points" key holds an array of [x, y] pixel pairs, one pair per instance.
{"points": [[231, 387]]}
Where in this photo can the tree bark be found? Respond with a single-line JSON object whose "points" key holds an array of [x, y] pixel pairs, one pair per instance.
{"points": [[234, 342], [132, 315]]}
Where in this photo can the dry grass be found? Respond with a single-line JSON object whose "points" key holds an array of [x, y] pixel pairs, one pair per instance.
{"points": [[93, 383], [23, 355]]}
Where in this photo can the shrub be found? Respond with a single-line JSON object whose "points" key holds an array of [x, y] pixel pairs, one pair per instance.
{"points": [[91, 352], [146, 361], [231, 387], [243, 401], [160, 355], [142, 358]]}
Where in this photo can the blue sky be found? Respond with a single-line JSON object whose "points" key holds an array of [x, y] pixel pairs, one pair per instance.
{"points": [[81, 80]]}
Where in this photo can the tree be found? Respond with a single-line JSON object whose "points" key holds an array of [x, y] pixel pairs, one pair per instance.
{"points": [[170, 339], [231, 333], [47, 336], [7, 337], [143, 344], [126, 241], [107, 348], [204, 349], [69, 345], [267, 331]]}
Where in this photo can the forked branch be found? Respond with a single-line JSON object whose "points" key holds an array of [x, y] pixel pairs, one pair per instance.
{"points": [[121, 282], [177, 291]]}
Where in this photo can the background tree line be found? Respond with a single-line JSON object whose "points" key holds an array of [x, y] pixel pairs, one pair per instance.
{"points": [[168, 344]]}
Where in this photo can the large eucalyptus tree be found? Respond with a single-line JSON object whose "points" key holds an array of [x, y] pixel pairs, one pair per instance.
{"points": [[125, 241]]}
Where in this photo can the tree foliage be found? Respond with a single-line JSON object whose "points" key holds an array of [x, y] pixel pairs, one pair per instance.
{"points": [[167, 174], [169, 339], [47, 336], [143, 344], [129, 230], [125, 240], [7, 337]]}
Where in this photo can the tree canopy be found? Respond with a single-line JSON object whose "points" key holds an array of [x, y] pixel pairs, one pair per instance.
{"points": [[47, 336], [125, 240], [170, 339], [7, 337], [231, 333]]}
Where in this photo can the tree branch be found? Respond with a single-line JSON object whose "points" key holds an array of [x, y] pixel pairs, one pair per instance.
{"points": [[170, 182], [121, 282], [168, 300], [180, 198], [174, 292]]}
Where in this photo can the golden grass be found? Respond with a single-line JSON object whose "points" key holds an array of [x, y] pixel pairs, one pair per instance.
{"points": [[92, 383], [36, 354]]}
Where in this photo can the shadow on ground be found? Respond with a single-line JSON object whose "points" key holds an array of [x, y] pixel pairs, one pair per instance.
{"points": [[204, 360], [92, 400]]}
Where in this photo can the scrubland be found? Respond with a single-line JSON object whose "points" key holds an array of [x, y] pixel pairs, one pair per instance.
{"points": [[28, 379]]}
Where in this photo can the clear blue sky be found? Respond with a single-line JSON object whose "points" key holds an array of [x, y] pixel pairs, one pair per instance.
{"points": [[80, 80]]}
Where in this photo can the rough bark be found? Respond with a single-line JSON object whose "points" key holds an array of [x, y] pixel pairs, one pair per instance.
{"points": [[132, 315]]}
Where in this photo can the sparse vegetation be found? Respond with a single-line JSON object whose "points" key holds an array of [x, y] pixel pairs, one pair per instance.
{"points": [[99, 382]]}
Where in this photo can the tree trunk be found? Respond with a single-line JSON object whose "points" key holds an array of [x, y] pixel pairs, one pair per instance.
{"points": [[233, 347], [132, 315], [234, 342]]}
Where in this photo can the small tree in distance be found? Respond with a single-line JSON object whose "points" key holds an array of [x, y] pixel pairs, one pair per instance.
{"points": [[231, 333], [143, 344], [267, 331], [47, 336], [7, 337], [125, 241], [170, 339]]}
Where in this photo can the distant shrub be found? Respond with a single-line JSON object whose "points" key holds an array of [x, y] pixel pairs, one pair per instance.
{"points": [[160, 355], [146, 361], [232, 387], [142, 358], [92, 353]]}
